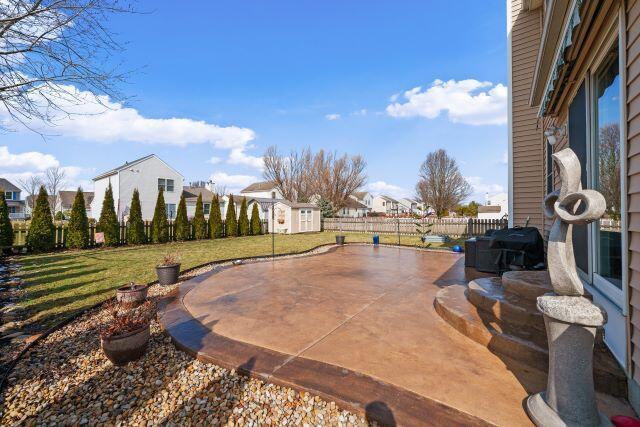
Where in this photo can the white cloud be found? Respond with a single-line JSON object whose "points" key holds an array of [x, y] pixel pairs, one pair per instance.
{"points": [[394, 97], [480, 187], [99, 119], [381, 187], [233, 183], [214, 160], [331, 117], [505, 158], [28, 160], [239, 157], [466, 101], [363, 112]]}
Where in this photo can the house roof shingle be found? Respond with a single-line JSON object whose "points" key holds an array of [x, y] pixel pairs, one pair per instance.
{"points": [[489, 209], [360, 195], [6, 185], [259, 186], [191, 193], [352, 203]]}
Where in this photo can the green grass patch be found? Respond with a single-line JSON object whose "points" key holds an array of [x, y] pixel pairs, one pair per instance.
{"points": [[63, 283]]}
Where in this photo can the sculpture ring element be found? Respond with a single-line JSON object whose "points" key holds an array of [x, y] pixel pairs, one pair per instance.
{"points": [[568, 206]]}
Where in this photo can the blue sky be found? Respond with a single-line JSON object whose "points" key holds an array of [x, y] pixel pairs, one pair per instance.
{"points": [[338, 75]]}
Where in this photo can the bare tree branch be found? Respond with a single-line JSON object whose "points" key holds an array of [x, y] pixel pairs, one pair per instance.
{"points": [[441, 185], [54, 181], [31, 186]]}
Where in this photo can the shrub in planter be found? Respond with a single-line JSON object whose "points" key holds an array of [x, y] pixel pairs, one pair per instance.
{"points": [[169, 269], [40, 237], [131, 295], [125, 336]]}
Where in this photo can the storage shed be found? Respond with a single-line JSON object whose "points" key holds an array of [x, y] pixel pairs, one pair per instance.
{"points": [[291, 217]]}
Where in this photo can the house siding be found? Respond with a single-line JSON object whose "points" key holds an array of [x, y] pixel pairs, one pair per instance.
{"points": [[633, 170], [527, 148]]}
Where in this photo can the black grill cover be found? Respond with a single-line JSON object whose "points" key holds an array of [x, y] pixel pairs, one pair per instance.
{"points": [[521, 246]]}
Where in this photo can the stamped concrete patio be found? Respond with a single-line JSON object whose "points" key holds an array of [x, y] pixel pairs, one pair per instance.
{"points": [[355, 325]]}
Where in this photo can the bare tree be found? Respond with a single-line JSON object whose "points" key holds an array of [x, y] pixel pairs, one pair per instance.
{"points": [[441, 185], [291, 174], [50, 50], [54, 181], [31, 186], [303, 174], [609, 168]]}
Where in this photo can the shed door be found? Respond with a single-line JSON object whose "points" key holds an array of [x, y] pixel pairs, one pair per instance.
{"points": [[305, 220]]}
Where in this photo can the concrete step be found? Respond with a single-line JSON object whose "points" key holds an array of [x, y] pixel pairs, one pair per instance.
{"points": [[452, 305], [527, 284]]}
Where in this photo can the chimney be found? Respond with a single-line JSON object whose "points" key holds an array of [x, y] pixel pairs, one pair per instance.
{"points": [[210, 185]]}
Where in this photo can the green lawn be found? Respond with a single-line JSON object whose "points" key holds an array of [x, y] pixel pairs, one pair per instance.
{"points": [[62, 283]]}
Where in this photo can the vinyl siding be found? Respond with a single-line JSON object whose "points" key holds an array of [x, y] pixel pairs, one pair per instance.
{"points": [[633, 170], [527, 148]]}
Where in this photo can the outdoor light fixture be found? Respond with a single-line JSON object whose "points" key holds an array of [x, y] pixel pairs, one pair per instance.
{"points": [[554, 133]]}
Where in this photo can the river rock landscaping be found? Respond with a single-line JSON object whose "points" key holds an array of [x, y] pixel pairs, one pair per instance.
{"points": [[66, 379]]}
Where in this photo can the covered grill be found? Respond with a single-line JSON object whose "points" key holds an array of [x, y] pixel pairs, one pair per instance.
{"points": [[510, 248]]}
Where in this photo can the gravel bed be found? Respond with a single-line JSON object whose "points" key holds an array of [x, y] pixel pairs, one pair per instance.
{"points": [[66, 380]]}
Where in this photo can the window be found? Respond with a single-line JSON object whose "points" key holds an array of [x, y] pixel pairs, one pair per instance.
{"points": [[206, 208], [606, 174], [13, 209], [165, 184], [8, 195], [171, 210], [273, 194]]}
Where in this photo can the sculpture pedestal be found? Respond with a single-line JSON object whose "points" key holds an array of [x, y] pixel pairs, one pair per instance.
{"points": [[570, 399]]}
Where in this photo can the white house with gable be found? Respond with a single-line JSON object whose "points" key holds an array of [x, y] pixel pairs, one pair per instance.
{"points": [[148, 174], [262, 190], [495, 207]]}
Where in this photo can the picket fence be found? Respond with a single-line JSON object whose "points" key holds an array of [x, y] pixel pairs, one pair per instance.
{"points": [[454, 227], [21, 229]]}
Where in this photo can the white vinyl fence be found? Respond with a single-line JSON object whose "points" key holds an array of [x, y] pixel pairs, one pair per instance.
{"points": [[454, 227]]}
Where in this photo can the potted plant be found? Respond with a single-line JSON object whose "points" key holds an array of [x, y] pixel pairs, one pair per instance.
{"points": [[131, 295], [169, 270], [340, 237], [125, 336]]}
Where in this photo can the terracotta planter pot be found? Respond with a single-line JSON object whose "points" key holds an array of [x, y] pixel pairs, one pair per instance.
{"points": [[168, 274], [340, 239], [131, 295], [125, 348]]}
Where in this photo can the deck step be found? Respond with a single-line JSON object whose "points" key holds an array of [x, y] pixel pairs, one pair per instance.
{"points": [[452, 305], [488, 294], [527, 284]]}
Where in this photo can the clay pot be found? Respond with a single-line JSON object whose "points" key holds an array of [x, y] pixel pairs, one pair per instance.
{"points": [[168, 274], [131, 295], [125, 348], [340, 239]]}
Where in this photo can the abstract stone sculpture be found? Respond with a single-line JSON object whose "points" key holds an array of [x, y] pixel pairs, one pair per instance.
{"points": [[570, 319]]}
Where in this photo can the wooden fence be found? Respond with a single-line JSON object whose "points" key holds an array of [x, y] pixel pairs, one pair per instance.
{"points": [[21, 229], [454, 227]]}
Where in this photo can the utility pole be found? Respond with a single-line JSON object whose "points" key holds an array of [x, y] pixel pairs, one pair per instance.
{"points": [[273, 228]]}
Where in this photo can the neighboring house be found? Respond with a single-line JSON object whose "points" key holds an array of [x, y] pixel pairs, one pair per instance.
{"points": [[291, 217], [573, 82], [495, 207], [264, 190], [12, 196], [353, 209], [408, 206], [385, 205], [364, 197], [191, 197], [148, 174], [263, 205], [66, 199]]}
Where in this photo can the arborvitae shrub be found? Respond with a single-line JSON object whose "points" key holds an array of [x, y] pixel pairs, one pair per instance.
{"points": [[244, 228], [6, 229], [108, 222], [135, 225], [215, 219], [40, 236], [160, 225], [181, 230], [78, 232], [256, 224], [199, 223], [231, 222]]}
